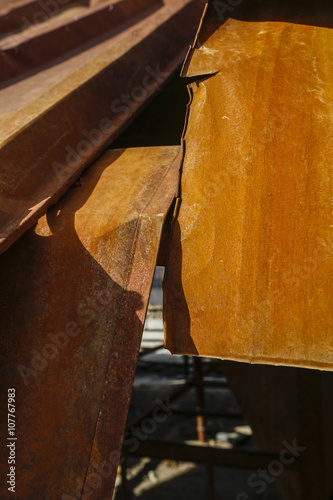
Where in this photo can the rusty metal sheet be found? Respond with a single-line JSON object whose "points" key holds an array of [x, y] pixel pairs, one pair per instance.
{"points": [[310, 12], [17, 16], [73, 300], [46, 144], [250, 270], [62, 32]]}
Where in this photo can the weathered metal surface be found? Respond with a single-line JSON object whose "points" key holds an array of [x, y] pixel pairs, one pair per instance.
{"points": [[64, 32], [250, 270], [73, 301], [47, 143], [310, 12], [15, 16]]}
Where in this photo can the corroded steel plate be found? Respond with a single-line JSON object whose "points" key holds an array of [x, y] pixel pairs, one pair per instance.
{"points": [[74, 293], [56, 122], [37, 33], [250, 271]]}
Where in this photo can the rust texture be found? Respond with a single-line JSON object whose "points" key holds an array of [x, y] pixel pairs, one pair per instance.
{"points": [[73, 300], [61, 32], [53, 124], [250, 269]]}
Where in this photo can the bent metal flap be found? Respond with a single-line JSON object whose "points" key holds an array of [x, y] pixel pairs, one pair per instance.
{"points": [[250, 270]]}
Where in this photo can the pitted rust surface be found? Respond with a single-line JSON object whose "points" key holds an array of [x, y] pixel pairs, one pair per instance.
{"points": [[250, 270], [82, 105], [73, 299]]}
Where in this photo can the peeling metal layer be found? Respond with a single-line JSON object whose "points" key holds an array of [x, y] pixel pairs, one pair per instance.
{"points": [[250, 270], [73, 301], [47, 143]]}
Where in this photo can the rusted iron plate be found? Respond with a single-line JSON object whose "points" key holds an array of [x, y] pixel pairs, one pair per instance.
{"points": [[250, 270], [311, 12], [47, 143], [73, 301], [17, 16], [40, 43]]}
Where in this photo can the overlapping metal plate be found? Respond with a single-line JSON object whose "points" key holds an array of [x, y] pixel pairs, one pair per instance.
{"points": [[250, 271], [74, 292], [55, 122], [37, 32]]}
